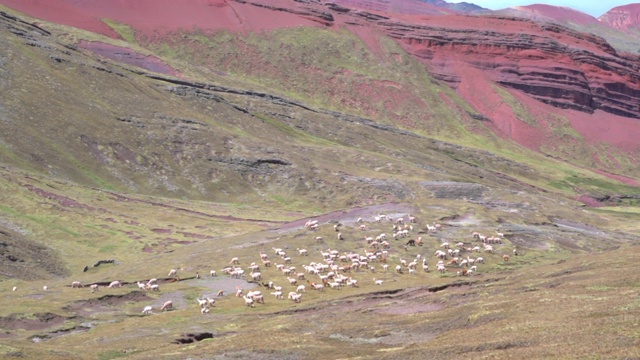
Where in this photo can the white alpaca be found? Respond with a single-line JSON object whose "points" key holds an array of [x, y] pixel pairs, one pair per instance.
{"points": [[248, 301], [295, 296], [168, 305], [202, 302]]}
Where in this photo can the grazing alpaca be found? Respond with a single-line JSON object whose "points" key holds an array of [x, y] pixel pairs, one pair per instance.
{"points": [[296, 297], [168, 305], [202, 302], [248, 301]]}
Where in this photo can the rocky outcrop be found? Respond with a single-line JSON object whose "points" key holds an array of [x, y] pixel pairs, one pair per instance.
{"points": [[551, 63], [314, 14]]}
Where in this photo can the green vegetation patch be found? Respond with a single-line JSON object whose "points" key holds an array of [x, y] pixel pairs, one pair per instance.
{"points": [[518, 109], [125, 31]]}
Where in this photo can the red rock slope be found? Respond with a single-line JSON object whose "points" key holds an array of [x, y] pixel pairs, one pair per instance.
{"points": [[154, 18], [573, 75], [551, 63]]}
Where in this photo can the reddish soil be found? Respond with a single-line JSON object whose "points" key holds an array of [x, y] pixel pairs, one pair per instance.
{"points": [[153, 18], [602, 127], [621, 178], [471, 64], [475, 87], [599, 128], [589, 201]]}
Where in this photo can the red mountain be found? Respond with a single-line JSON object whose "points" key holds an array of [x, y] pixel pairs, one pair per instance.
{"points": [[548, 71], [623, 17], [543, 12]]}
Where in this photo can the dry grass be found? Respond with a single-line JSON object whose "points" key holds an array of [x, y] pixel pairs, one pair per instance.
{"points": [[549, 301]]}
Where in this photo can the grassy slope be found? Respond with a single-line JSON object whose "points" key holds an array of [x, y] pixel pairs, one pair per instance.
{"points": [[92, 187], [341, 73]]}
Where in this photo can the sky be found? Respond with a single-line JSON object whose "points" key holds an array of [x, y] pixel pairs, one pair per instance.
{"points": [[594, 8]]}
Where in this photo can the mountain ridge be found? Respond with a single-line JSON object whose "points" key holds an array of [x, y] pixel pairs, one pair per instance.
{"points": [[595, 76], [626, 17]]}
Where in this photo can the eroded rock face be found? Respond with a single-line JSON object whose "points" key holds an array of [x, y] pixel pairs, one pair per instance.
{"points": [[551, 63]]}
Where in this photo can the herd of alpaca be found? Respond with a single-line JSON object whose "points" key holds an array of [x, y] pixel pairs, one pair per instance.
{"points": [[333, 269]]}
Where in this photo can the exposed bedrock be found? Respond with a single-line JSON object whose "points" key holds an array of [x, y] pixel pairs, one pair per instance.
{"points": [[555, 65]]}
